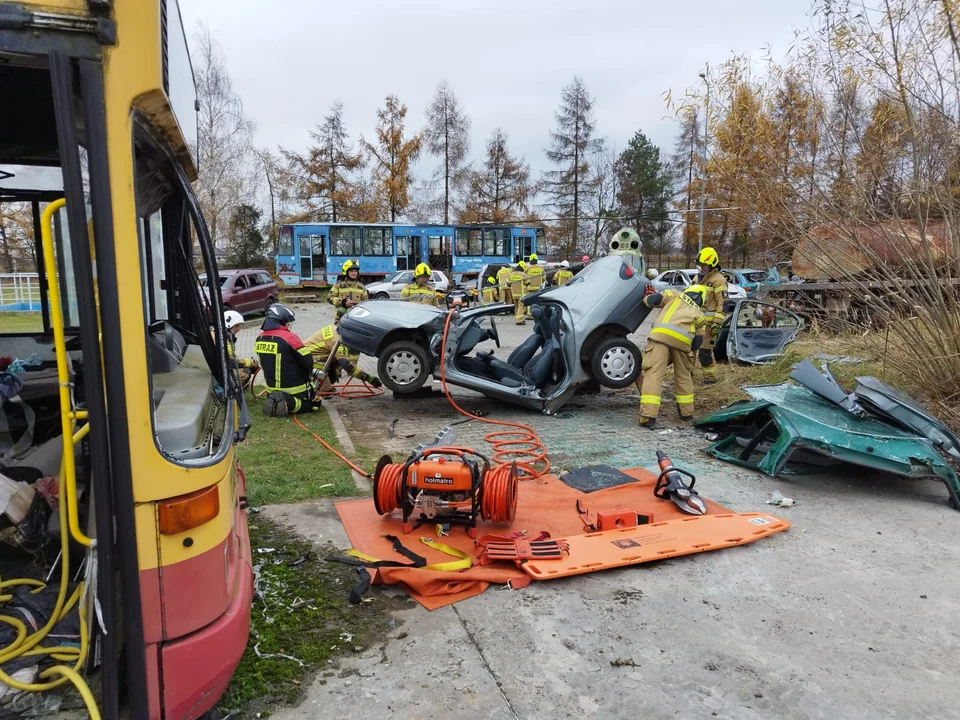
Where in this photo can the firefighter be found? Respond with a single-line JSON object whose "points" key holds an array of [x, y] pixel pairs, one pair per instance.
{"points": [[535, 277], [349, 291], [420, 291], [321, 344], [490, 292], [287, 366], [247, 366], [563, 275], [676, 334], [503, 282], [708, 263], [517, 278]]}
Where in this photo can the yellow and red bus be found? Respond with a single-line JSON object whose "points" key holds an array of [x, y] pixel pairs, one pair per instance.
{"points": [[135, 407]]}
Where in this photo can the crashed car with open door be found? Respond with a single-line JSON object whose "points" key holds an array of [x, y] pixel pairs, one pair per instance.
{"points": [[579, 334], [756, 333]]}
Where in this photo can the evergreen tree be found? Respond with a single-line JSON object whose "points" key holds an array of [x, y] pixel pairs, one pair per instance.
{"points": [[643, 186], [500, 191], [245, 241], [447, 137]]}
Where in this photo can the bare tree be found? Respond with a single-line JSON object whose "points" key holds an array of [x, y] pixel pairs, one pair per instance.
{"points": [[601, 199], [223, 139], [447, 136]]}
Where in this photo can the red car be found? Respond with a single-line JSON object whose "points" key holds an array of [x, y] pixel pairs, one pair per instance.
{"points": [[246, 291]]}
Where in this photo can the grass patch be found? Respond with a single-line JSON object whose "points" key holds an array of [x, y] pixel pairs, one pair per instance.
{"points": [[732, 377], [301, 611], [284, 464], [21, 322]]}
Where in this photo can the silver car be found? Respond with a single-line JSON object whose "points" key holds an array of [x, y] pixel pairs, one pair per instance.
{"points": [[679, 279], [390, 288], [579, 334]]}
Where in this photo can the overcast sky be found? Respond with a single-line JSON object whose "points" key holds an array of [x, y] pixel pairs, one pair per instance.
{"points": [[506, 60]]}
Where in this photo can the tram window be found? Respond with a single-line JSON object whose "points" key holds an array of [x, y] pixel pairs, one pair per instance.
{"points": [[285, 244], [495, 242], [346, 241], [377, 241], [469, 241]]}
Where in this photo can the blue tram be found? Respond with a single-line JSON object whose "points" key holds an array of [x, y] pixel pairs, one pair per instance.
{"points": [[312, 253]]}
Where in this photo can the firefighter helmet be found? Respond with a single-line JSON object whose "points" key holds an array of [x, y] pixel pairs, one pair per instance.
{"points": [[697, 293], [231, 318], [422, 269], [708, 257], [350, 265], [564, 263]]}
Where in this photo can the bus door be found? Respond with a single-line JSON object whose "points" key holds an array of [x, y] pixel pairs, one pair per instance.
{"points": [[408, 251], [439, 256], [306, 257]]}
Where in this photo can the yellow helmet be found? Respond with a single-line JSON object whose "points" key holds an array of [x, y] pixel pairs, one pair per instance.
{"points": [[522, 265], [708, 256], [350, 265], [533, 257], [698, 290], [422, 269], [492, 281]]}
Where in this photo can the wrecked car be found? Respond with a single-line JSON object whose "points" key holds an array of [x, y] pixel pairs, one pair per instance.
{"points": [[816, 426], [579, 335], [756, 332]]}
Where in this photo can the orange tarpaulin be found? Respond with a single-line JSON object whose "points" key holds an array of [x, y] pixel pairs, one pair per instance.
{"points": [[544, 504]]}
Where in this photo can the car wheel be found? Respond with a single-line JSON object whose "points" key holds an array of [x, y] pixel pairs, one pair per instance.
{"points": [[266, 306], [381, 296], [615, 363], [403, 366]]}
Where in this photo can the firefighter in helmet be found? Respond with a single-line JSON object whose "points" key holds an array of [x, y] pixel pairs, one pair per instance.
{"points": [[325, 342], [490, 291], [517, 279], [563, 275], [420, 290], [676, 334], [710, 276], [348, 291], [287, 365], [246, 366], [535, 277]]}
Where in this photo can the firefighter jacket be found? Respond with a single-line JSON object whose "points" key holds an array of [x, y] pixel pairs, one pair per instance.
{"points": [[503, 275], [680, 320], [285, 361], [423, 294], [346, 290], [713, 302], [517, 279], [562, 277], [321, 344], [535, 277]]}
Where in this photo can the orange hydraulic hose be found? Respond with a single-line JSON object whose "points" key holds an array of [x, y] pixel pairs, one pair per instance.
{"points": [[509, 446], [323, 442], [347, 390]]}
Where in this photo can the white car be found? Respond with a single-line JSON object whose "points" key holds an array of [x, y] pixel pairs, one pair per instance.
{"points": [[391, 288], [677, 279]]}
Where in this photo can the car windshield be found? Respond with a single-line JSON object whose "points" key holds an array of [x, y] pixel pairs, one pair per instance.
{"points": [[755, 276]]}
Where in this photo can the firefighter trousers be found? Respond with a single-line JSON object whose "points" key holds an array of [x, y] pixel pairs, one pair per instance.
{"points": [[656, 358], [518, 310]]}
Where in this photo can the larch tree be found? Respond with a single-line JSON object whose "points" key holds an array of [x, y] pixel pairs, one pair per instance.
{"points": [[223, 138], [447, 137], [323, 176], [882, 155], [392, 156], [686, 168], [601, 198], [500, 191], [571, 145]]}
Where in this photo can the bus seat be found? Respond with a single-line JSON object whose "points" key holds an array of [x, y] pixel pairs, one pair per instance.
{"points": [[184, 411]]}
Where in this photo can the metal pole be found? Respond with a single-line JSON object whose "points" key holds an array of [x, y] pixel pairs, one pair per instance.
{"points": [[703, 177]]}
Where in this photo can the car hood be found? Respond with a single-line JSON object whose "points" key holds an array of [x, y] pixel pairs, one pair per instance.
{"points": [[395, 312]]}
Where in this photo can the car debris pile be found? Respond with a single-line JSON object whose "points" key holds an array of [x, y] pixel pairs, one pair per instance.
{"points": [[813, 425]]}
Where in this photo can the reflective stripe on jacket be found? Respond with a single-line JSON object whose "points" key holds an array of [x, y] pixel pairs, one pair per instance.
{"points": [[713, 302], [423, 294], [286, 362], [679, 322]]}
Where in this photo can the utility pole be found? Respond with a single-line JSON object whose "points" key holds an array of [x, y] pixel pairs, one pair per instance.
{"points": [[703, 177]]}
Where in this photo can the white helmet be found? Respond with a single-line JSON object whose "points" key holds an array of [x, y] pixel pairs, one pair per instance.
{"points": [[231, 318], [564, 263]]}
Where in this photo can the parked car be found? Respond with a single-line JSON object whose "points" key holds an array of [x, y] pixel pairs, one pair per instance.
{"points": [[390, 288], [246, 291], [677, 279], [752, 281], [579, 334]]}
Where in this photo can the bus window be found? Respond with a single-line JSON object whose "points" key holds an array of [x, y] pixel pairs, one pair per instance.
{"points": [[285, 243], [192, 422], [345, 242], [377, 241]]}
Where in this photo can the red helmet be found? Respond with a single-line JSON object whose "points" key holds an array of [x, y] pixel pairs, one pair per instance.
{"points": [[585, 258]]}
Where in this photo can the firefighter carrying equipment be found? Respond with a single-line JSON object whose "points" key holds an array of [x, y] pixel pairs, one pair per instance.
{"points": [[708, 257], [450, 485], [671, 340], [670, 485], [326, 343]]}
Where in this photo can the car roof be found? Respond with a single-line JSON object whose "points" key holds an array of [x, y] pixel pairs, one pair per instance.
{"points": [[745, 270]]}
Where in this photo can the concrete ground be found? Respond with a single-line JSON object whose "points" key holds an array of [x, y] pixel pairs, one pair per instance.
{"points": [[849, 614]]}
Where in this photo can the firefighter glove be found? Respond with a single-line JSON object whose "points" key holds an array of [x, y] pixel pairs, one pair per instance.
{"points": [[715, 329], [375, 381], [653, 300]]}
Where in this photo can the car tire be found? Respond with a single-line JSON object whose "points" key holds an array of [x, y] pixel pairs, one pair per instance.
{"points": [[381, 296], [403, 367], [266, 306], [615, 362]]}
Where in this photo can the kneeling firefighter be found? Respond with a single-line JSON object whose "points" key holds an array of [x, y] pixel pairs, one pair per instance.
{"points": [[710, 277], [246, 366], [420, 291], [287, 365], [321, 344], [677, 333]]}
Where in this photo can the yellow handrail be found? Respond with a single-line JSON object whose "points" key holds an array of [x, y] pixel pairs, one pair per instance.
{"points": [[67, 414]]}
